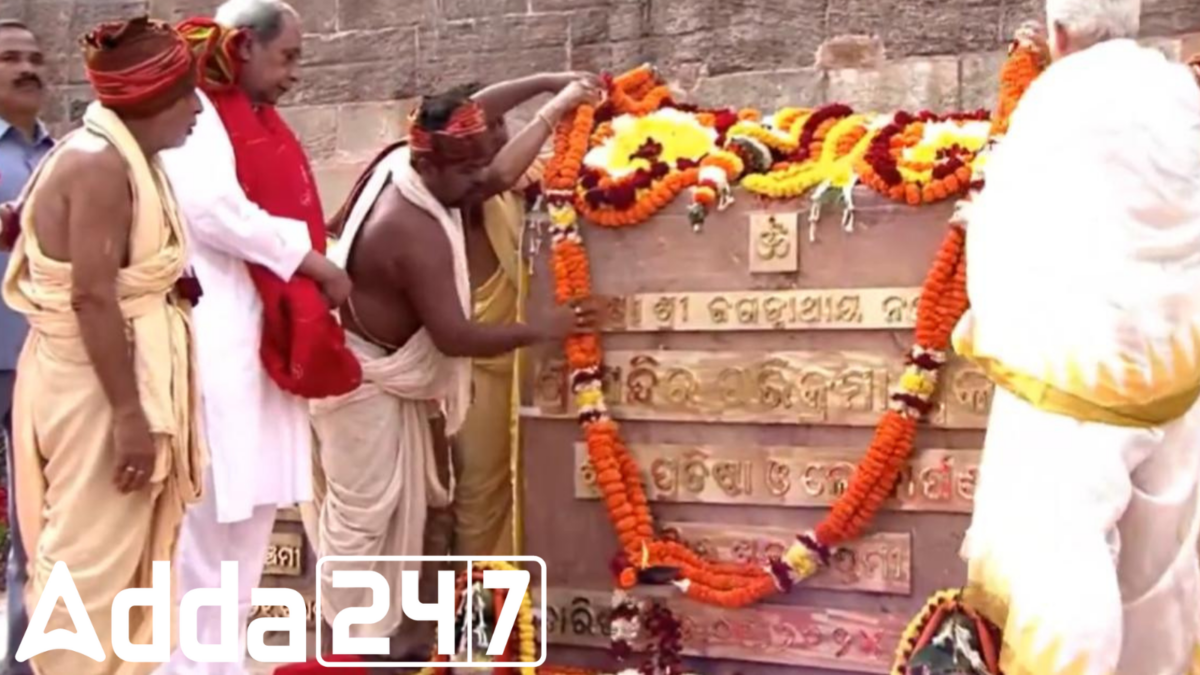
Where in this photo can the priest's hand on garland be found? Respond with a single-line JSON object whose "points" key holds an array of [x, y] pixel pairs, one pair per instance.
{"points": [[562, 321]]}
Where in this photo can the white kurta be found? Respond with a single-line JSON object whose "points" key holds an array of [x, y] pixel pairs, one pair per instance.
{"points": [[258, 435], [1084, 277]]}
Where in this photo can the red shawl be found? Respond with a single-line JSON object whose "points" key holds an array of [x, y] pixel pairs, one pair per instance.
{"points": [[303, 347]]}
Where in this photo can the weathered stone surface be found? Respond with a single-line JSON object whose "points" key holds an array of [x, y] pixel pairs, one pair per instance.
{"points": [[334, 180], [364, 128], [910, 84], [316, 127], [454, 10], [851, 51], [764, 36], [981, 79], [1170, 17], [381, 13], [589, 27], [564, 5], [379, 81], [920, 27], [358, 46], [764, 90]]}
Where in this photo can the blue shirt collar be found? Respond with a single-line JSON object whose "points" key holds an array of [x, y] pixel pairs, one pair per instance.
{"points": [[40, 134]]}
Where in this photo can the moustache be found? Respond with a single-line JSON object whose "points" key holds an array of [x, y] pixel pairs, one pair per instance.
{"points": [[28, 79]]}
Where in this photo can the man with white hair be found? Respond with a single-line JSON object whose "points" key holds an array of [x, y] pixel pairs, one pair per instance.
{"points": [[265, 339], [1084, 280]]}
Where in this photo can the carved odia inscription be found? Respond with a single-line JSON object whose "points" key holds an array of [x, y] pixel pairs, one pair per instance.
{"points": [[806, 309], [268, 611], [938, 481], [876, 563], [823, 388], [778, 634], [284, 555]]}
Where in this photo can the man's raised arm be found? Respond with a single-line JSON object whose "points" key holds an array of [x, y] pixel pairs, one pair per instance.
{"points": [[519, 153], [498, 99], [100, 214], [424, 267]]}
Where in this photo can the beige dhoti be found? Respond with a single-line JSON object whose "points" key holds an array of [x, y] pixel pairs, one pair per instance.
{"points": [[377, 474], [70, 510], [376, 448]]}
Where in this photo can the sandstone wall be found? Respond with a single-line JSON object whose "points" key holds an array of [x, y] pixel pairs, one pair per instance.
{"points": [[367, 59]]}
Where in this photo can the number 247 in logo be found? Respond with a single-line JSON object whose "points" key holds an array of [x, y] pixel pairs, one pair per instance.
{"points": [[445, 611]]}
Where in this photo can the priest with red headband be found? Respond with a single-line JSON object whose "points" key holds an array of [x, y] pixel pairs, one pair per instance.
{"points": [[266, 339], [106, 450], [383, 447]]}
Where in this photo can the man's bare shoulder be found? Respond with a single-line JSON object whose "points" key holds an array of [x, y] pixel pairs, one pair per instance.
{"points": [[396, 216], [89, 163]]}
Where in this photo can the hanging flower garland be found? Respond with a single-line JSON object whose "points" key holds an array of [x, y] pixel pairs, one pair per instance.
{"points": [[618, 475], [977, 651], [942, 303]]}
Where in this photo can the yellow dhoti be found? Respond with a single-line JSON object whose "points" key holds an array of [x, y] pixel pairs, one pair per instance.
{"points": [[1085, 294], [70, 510], [483, 502]]}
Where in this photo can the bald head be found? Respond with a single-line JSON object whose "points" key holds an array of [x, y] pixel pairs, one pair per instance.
{"points": [[1079, 24], [266, 19]]}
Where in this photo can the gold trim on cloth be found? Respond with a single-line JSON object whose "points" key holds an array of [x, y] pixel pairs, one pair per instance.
{"points": [[1044, 396]]}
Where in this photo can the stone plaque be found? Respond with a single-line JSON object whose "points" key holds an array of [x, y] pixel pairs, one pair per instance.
{"points": [[778, 634], [773, 243], [828, 388], [289, 515], [938, 481], [285, 555], [268, 611], [800, 309], [875, 563]]}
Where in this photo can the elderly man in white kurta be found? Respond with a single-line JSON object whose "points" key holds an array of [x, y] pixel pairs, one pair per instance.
{"points": [[1084, 280], [258, 435]]}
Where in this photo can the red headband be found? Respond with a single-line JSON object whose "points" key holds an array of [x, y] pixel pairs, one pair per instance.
{"points": [[139, 67], [462, 138]]}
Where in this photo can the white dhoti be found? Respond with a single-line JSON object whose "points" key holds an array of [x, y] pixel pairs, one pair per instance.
{"points": [[1085, 310]]}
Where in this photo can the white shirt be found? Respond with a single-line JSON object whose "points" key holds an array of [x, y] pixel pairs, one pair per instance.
{"points": [[258, 435]]}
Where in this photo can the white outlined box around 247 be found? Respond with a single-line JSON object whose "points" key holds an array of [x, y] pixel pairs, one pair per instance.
{"points": [[470, 591]]}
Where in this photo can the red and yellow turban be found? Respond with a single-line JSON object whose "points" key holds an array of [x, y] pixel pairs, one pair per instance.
{"points": [[138, 68], [464, 137], [215, 48]]}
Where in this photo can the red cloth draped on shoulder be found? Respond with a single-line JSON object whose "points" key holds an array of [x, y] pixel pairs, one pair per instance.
{"points": [[303, 346]]}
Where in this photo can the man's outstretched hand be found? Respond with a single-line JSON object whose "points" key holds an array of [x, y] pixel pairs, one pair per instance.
{"points": [[575, 318], [560, 81]]}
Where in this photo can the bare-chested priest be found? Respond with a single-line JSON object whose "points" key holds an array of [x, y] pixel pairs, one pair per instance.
{"points": [[409, 321], [106, 450]]}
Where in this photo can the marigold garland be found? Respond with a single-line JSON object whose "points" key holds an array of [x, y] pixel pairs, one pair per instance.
{"points": [[943, 301]]}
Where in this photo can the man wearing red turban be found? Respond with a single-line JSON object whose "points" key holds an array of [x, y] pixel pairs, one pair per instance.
{"points": [[106, 450], [265, 335]]}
